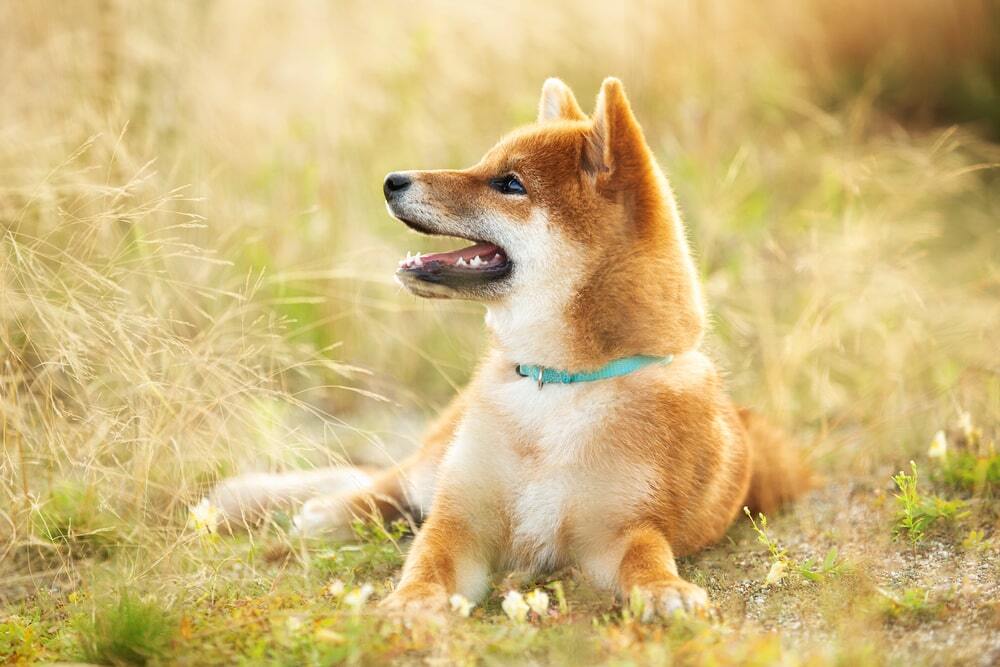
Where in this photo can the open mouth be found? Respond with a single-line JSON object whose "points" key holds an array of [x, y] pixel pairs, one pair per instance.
{"points": [[474, 266]]}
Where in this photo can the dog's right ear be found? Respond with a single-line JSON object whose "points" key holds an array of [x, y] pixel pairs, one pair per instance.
{"points": [[558, 103]]}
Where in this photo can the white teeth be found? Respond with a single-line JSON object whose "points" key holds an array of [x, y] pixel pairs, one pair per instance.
{"points": [[416, 260], [411, 261]]}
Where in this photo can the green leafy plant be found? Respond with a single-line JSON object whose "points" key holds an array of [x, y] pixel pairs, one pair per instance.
{"points": [[971, 472], [975, 540], [967, 461], [781, 563], [19, 640], [911, 603], [917, 512]]}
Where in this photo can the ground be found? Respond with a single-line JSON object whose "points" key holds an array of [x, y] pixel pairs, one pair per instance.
{"points": [[880, 598]]}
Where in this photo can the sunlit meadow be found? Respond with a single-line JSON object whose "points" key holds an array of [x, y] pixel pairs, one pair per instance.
{"points": [[196, 280]]}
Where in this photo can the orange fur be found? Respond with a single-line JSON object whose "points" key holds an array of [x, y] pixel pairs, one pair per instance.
{"points": [[617, 476], [779, 474], [697, 459]]}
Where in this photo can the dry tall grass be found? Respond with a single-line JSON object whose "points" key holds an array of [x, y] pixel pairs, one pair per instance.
{"points": [[195, 257]]}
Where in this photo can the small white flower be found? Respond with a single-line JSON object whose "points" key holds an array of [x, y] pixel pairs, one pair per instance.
{"points": [[965, 425], [514, 606], [538, 601], [939, 446], [294, 623], [357, 598], [335, 588], [204, 517], [461, 605], [776, 573]]}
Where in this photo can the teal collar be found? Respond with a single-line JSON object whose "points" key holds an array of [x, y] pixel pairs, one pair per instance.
{"points": [[612, 369]]}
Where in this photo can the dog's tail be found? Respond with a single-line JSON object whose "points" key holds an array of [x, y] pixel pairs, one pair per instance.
{"points": [[246, 500], [780, 474]]}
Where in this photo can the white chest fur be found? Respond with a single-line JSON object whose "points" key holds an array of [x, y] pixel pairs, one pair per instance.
{"points": [[557, 426], [549, 454]]}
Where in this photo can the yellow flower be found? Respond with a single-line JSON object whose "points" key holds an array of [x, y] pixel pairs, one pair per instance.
{"points": [[329, 636], [776, 573], [461, 605], [514, 606], [939, 446], [204, 517], [538, 601], [357, 598]]}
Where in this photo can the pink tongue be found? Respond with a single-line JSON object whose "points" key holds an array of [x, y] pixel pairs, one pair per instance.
{"points": [[486, 251]]}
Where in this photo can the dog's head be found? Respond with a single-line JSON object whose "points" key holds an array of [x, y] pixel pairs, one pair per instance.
{"points": [[570, 217]]}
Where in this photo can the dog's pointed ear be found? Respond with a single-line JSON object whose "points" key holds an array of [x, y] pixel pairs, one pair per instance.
{"points": [[558, 103], [615, 143]]}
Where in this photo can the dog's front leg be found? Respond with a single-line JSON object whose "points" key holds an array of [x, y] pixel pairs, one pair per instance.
{"points": [[647, 570], [448, 556]]}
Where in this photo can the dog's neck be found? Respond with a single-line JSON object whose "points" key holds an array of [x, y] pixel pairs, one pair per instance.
{"points": [[641, 298], [584, 323], [531, 329]]}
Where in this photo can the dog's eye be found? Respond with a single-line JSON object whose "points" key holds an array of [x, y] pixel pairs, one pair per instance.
{"points": [[508, 185]]}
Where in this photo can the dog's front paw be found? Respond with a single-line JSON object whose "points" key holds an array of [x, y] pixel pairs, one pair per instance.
{"points": [[667, 599], [417, 603], [328, 516]]}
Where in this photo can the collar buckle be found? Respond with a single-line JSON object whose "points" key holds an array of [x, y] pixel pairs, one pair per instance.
{"points": [[529, 372]]}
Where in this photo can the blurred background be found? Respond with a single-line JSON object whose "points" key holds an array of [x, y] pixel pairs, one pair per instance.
{"points": [[196, 264]]}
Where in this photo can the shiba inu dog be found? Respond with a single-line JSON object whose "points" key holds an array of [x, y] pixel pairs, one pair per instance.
{"points": [[594, 432]]}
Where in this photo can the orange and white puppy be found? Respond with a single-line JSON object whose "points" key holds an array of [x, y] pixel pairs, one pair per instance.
{"points": [[581, 259]]}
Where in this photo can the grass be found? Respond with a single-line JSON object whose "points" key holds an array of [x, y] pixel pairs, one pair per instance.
{"points": [[195, 280], [918, 512], [782, 563], [969, 462], [125, 631], [71, 517], [912, 604]]}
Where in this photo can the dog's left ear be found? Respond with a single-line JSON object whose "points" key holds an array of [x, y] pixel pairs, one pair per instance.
{"points": [[558, 103], [615, 145]]}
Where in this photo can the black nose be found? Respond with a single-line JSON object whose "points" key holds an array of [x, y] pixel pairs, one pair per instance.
{"points": [[395, 183]]}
